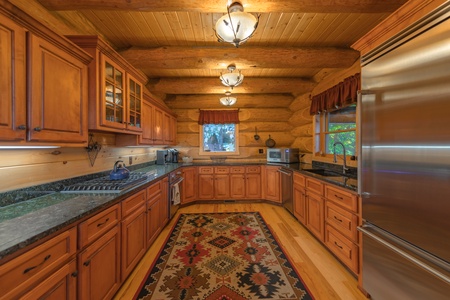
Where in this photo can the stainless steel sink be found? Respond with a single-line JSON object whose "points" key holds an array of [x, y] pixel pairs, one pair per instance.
{"points": [[323, 172]]}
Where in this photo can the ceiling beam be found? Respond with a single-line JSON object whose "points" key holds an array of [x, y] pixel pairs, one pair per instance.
{"points": [[250, 58], [258, 6], [209, 85]]}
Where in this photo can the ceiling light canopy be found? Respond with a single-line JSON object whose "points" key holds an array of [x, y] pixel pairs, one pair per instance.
{"points": [[228, 100], [237, 26], [231, 79]]}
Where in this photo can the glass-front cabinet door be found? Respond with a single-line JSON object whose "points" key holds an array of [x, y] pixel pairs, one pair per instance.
{"points": [[134, 116], [113, 88]]}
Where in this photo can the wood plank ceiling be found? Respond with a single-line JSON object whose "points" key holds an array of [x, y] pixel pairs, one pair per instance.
{"points": [[174, 44]]}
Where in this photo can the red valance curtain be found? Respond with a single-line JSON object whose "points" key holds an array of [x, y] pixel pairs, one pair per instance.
{"points": [[218, 117], [338, 96]]}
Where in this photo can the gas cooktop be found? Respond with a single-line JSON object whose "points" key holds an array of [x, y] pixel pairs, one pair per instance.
{"points": [[106, 185]]}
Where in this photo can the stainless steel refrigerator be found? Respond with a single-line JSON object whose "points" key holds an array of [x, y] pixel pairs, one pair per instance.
{"points": [[404, 163]]}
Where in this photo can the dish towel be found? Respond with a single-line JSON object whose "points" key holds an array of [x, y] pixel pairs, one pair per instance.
{"points": [[176, 199]]}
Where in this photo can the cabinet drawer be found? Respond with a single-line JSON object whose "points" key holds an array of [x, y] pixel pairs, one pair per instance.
{"points": [[255, 169], [33, 266], [314, 186], [237, 170], [97, 225], [342, 247], [342, 198], [205, 170], [221, 170], [132, 203], [342, 220], [154, 189], [299, 179]]}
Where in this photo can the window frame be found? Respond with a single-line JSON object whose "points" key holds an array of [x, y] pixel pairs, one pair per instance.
{"points": [[321, 131], [218, 153]]}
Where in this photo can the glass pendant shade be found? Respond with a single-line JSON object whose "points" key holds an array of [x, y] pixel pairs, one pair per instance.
{"points": [[237, 26], [231, 79], [228, 100]]}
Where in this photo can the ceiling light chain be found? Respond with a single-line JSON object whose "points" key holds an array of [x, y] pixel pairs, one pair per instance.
{"points": [[237, 26]]}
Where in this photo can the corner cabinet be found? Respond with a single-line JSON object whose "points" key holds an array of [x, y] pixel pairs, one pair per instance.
{"points": [[116, 89], [41, 72]]}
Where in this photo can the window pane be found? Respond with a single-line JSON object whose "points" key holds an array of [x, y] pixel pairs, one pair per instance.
{"points": [[342, 119], [219, 137], [347, 138]]}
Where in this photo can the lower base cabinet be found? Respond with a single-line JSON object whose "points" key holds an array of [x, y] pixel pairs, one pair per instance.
{"points": [[61, 285], [315, 215], [99, 267]]}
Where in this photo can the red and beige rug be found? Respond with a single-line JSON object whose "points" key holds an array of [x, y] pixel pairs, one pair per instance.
{"points": [[222, 256]]}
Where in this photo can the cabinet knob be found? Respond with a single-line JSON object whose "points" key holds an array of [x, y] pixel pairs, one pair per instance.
{"points": [[86, 263], [22, 127], [37, 128], [74, 274]]}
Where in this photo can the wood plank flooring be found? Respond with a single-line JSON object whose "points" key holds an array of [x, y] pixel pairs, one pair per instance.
{"points": [[325, 277]]}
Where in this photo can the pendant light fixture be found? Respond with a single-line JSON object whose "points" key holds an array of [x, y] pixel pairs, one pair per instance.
{"points": [[231, 79], [237, 26], [228, 100]]}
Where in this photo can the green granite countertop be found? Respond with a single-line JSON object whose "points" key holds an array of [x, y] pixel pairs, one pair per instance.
{"points": [[26, 222]]}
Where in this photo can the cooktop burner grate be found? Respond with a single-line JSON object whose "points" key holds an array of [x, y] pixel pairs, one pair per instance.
{"points": [[106, 185]]}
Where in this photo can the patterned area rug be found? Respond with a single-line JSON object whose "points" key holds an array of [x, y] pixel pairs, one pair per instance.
{"points": [[222, 256]]}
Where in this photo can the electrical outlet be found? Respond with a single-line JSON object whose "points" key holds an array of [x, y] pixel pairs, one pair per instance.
{"points": [[261, 151], [130, 160]]}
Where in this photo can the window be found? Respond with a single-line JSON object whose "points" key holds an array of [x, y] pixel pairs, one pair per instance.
{"points": [[219, 139], [219, 132], [336, 126]]}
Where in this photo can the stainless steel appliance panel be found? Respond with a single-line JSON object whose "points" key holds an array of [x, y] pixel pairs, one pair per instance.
{"points": [[396, 270], [405, 140], [287, 197]]}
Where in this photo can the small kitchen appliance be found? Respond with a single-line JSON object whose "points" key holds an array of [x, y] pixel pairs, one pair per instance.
{"points": [[283, 155]]}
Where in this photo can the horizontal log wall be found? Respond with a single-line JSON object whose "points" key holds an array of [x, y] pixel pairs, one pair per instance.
{"points": [[24, 168], [263, 114]]}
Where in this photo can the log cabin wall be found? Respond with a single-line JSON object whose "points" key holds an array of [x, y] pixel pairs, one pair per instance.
{"points": [[29, 167]]}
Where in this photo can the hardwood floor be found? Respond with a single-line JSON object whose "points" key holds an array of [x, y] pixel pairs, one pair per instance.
{"points": [[325, 277]]}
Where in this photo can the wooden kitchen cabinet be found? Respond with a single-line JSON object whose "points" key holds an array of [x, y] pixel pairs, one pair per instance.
{"points": [[272, 183], [99, 267], [315, 207], [116, 88], [213, 183], [32, 98], [189, 185], [299, 195], [34, 267], [13, 100], [154, 218], [133, 229], [164, 206], [245, 182], [60, 285]]}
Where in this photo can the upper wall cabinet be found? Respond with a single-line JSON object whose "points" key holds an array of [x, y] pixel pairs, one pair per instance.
{"points": [[43, 84], [116, 89]]}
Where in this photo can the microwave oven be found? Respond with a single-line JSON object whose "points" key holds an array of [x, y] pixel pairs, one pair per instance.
{"points": [[283, 155]]}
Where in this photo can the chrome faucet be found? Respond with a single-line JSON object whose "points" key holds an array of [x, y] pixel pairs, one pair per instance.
{"points": [[344, 166]]}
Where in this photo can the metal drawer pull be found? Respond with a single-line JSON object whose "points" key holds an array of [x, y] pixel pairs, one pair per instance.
{"points": [[339, 197], [339, 246], [86, 263], [336, 218], [101, 224], [37, 129], [37, 266]]}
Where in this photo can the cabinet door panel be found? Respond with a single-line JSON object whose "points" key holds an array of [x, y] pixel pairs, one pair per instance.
{"points": [[315, 218], [221, 186], [153, 220], [99, 267], [237, 186], [189, 185], [148, 123], [300, 203], [205, 186], [12, 81], [253, 186], [133, 240], [58, 95]]}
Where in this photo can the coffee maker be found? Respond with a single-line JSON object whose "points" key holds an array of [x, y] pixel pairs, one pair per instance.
{"points": [[174, 155], [161, 157]]}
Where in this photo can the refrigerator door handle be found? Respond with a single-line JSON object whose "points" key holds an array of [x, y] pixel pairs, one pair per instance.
{"points": [[402, 253]]}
